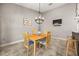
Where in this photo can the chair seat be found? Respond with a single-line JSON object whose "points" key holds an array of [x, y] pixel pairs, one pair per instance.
{"points": [[42, 41], [31, 42]]}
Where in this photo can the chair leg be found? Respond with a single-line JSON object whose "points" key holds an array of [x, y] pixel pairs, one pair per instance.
{"points": [[76, 48], [39, 45], [27, 51], [67, 48]]}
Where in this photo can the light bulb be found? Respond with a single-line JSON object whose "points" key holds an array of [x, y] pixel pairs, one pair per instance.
{"points": [[39, 17], [35, 17], [42, 17]]}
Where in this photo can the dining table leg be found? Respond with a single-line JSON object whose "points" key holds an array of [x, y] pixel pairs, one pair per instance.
{"points": [[34, 48]]}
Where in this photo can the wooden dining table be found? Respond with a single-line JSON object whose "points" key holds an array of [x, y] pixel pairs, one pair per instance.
{"points": [[35, 37]]}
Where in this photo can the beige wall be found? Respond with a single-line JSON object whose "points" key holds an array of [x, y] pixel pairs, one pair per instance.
{"points": [[11, 17], [11, 21], [66, 13], [0, 31]]}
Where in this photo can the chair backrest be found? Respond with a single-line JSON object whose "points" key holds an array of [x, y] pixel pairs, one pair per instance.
{"points": [[26, 38], [34, 31], [45, 31], [48, 38]]}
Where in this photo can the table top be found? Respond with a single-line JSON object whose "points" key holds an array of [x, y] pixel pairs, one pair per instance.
{"points": [[36, 36]]}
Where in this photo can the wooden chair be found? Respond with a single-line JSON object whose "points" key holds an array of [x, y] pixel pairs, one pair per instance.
{"points": [[45, 31], [71, 46], [27, 42], [46, 41], [34, 31]]}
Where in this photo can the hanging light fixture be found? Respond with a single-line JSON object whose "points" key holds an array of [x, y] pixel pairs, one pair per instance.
{"points": [[77, 17], [39, 20], [76, 11]]}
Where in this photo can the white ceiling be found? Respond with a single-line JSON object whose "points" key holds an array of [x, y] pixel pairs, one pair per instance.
{"points": [[43, 6]]}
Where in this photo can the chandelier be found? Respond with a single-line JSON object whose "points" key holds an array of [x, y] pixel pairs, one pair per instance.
{"points": [[76, 11], [77, 17], [39, 20]]}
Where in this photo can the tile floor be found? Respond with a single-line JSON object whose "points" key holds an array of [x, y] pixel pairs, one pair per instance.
{"points": [[57, 48]]}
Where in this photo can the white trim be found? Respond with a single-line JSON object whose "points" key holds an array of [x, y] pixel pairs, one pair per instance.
{"points": [[59, 38], [11, 43]]}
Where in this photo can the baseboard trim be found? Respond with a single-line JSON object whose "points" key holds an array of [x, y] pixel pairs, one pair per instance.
{"points": [[11, 43], [59, 38]]}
